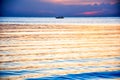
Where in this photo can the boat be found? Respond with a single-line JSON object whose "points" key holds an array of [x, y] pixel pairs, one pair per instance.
{"points": [[59, 17]]}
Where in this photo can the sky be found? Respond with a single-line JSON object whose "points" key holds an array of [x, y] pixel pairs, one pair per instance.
{"points": [[67, 8]]}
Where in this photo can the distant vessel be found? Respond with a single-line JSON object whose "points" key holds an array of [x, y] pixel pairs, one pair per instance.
{"points": [[59, 17]]}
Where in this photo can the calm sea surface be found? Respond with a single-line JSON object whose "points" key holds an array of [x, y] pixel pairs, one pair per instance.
{"points": [[66, 20], [59, 52]]}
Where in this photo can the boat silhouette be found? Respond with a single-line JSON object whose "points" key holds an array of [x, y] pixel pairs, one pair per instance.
{"points": [[59, 17]]}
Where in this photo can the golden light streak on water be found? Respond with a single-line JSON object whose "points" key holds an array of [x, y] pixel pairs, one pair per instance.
{"points": [[58, 49]]}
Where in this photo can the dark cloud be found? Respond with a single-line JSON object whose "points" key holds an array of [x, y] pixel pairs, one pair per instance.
{"points": [[34, 8]]}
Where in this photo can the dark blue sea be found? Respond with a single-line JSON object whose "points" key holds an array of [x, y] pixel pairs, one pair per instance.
{"points": [[106, 75], [112, 75]]}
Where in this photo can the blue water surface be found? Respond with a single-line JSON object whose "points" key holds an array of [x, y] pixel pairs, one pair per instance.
{"points": [[108, 75]]}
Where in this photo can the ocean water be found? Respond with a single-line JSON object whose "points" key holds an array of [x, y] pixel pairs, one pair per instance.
{"points": [[108, 75], [66, 20], [59, 52], [111, 75]]}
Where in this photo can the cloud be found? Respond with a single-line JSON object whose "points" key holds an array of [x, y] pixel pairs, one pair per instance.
{"points": [[67, 8], [80, 2], [91, 12]]}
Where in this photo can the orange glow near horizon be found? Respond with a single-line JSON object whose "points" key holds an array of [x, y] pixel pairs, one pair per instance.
{"points": [[91, 12]]}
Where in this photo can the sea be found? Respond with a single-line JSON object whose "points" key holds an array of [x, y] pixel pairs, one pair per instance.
{"points": [[66, 20], [71, 53]]}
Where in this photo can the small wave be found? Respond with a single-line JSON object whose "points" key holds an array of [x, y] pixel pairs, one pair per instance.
{"points": [[107, 75]]}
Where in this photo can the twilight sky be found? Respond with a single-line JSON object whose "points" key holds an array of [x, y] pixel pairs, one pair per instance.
{"points": [[67, 8]]}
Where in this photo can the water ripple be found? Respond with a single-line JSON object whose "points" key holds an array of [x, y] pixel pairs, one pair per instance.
{"points": [[111, 75]]}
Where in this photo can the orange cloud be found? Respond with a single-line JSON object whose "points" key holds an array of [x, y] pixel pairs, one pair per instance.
{"points": [[80, 2], [91, 12]]}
